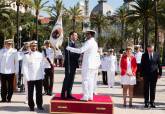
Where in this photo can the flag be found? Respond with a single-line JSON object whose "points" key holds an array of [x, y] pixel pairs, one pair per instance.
{"points": [[56, 37]]}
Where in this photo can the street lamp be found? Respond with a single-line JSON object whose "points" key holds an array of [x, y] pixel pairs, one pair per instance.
{"points": [[18, 4], [20, 37]]}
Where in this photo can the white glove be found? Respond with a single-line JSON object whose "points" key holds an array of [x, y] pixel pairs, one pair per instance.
{"points": [[68, 48]]}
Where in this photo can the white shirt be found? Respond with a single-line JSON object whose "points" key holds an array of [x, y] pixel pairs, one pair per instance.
{"points": [[32, 66], [104, 63], [129, 68], [138, 57], [50, 55], [111, 63], [90, 50], [8, 61]]}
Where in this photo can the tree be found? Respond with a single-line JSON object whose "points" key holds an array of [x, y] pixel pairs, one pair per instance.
{"points": [[4, 18], [75, 14], [121, 16], [143, 11], [38, 6], [159, 14], [100, 22], [55, 9]]}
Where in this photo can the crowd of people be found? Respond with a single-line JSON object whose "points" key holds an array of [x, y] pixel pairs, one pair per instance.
{"points": [[37, 70]]}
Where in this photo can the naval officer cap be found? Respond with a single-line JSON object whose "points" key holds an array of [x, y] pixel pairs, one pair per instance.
{"points": [[91, 31], [33, 42], [111, 50], [26, 43], [9, 41]]}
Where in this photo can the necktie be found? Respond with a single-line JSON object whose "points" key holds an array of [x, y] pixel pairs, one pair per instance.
{"points": [[151, 56]]}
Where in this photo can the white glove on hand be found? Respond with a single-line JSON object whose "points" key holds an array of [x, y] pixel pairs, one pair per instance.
{"points": [[68, 48]]}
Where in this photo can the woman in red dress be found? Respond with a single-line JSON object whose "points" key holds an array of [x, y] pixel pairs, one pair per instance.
{"points": [[128, 68]]}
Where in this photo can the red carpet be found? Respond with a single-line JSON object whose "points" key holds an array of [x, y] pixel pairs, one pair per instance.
{"points": [[100, 105]]}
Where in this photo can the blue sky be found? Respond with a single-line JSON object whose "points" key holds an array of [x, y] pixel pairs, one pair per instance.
{"points": [[92, 3]]}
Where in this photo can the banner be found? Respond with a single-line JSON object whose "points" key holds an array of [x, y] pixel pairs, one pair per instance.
{"points": [[56, 37]]}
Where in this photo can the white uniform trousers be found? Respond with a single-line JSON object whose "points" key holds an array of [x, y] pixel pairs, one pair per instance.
{"points": [[111, 78], [88, 76], [95, 82]]}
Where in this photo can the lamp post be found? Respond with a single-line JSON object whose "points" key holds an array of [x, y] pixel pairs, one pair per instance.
{"points": [[20, 36], [18, 4]]}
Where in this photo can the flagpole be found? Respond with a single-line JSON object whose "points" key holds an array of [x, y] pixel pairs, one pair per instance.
{"points": [[68, 58]]}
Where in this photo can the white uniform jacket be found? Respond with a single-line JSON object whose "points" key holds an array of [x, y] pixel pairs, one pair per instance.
{"points": [[138, 57], [90, 57], [111, 63], [104, 63], [32, 66], [8, 61], [50, 55]]}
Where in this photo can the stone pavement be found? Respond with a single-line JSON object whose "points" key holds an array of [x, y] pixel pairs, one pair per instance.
{"points": [[17, 106]]}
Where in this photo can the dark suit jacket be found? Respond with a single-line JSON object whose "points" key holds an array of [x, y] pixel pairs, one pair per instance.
{"points": [[73, 57], [150, 67]]}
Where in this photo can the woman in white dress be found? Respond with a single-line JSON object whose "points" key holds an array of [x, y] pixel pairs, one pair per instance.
{"points": [[128, 68]]}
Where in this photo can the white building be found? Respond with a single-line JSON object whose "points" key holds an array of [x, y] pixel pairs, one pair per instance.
{"points": [[22, 8]]}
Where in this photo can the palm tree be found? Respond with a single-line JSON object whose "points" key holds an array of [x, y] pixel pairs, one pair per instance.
{"points": [[161, 23], [38, 6], [75, 14], [4, 12], [99, 22], [26, 4], [4, 18], [55, 9], [142, 10], [121, 16], [159, 14]]}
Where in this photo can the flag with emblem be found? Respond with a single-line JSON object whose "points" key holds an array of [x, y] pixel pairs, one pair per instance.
{"points": [[56, 37]]}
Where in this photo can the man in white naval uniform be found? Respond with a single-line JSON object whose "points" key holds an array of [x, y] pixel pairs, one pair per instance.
{"points": [[8, 69], [111, 61], [138, 56], [33, 71], [89, 64]]}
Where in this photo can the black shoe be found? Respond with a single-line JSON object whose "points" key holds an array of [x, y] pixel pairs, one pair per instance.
{"points": [[70, 97], [3, 101], [152, 105], [8, 101], [31, 109], [146, 105], [63, 98], [40, 108]]}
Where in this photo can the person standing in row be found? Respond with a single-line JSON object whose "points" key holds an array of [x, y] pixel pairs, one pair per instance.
{"points": [[138, 56], [22, 80], [104, 68], [151, 72], [111, 68], [70, 64], [89, 64], [48, 53], [33, 70], [8, 69], [128, 68]]}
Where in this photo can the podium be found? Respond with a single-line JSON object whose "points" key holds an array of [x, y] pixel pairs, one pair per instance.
{"points": [[100, 105]]}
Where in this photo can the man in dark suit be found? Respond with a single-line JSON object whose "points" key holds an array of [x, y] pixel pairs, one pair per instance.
{"points": [[151, 71], [70, 64]]}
